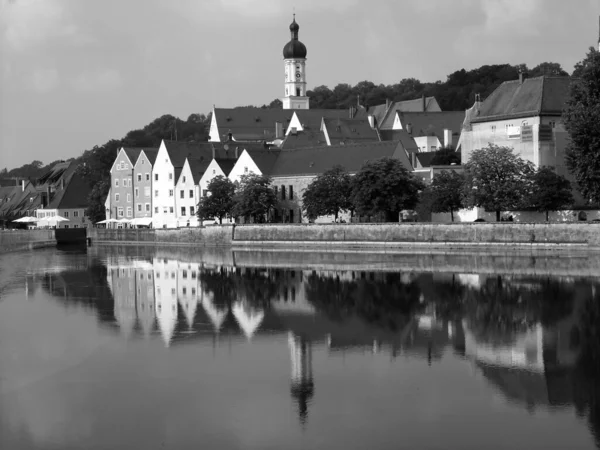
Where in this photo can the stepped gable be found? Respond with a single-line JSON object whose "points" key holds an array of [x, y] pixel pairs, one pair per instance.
{"points": [[433, 124], [539, 96], [316, 160], [250, 124], [349, 131]]}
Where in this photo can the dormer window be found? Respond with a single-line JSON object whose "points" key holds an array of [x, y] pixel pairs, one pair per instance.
{"points": [[246, 169]]}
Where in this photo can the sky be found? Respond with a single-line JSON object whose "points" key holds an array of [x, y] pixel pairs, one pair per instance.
{"points": [[76, 73]]}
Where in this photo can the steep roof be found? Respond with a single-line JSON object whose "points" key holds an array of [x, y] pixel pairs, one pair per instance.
{"points": [[302, 139], [151, 153], [264, 159], [226, 165], [311, 118], [132, 153], [400, 135], [74, 195], [58, 170], [384, 114], [434, 123], [178, 151], [349, 131], [316, 160], [425, 158], [533, 97], [198, 168], [250, 123]]}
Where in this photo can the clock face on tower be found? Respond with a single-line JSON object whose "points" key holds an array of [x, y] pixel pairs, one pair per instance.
{"points": [[297, 74]]}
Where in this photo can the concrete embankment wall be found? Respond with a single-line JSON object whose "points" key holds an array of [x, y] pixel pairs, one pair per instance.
{"points": [[374, 236], [11, 241]]}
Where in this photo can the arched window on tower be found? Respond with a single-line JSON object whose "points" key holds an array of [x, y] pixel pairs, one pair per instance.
{"points": [[298, 92], [286, 91]]}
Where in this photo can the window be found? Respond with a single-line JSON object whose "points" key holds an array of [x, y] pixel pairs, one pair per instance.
{"points": [[155, 177], [170, 192], [214, 171], [147, 191], [75, 213], [147, 177], [205, 193], [126, 166], [155, 209], [116, 183], [246, 169], [191, 193], [143, 161], [171, 210], [184, 179], [291, 192], [156, 193], [183, 210], [139, 207], [120, 211], [298, 92], [493, 128], [128, 198], [137, 192], [66, 215], [139, 177], [282, 192], [116, 197], [191, 210], [129, 211], [147, 207], [170, 175], [182, 194]]}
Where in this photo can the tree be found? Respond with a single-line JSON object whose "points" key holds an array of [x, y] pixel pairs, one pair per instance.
{"points": [[548, 68], [96, 198], [496, 179], [445, 156], [551, 191], [254, 197], [328, 194], [581, 117], [446, 192], [220, 201], [385, 186]]}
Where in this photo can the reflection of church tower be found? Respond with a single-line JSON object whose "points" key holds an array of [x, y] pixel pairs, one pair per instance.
{"points": [[302, 386], [294, 57]]}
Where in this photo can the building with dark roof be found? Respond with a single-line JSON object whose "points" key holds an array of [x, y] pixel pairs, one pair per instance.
{"points": [[69, 202], [523, 114], [382, 116]]}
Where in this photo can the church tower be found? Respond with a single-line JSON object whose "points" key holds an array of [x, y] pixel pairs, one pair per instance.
{"points": [[294, 60]]}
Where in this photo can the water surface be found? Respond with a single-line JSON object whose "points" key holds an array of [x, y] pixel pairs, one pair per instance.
{"points": [[127, 348]]}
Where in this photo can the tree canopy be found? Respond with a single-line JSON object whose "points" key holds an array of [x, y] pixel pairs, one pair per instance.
{"points": [[446, 192], [384, 186], [328, 194], [581, 117], [550, 192], [220, 201], [254, 197], [496, 179]]}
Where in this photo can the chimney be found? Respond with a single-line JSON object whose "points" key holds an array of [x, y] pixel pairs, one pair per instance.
{"points": [[447, 138], [520, 76], [22, 185], [48, 194], [213, 151], [62, 183], [387, 103], [351, 112], [409, 128], [424, 100], [236, 152], [371, 120], [278, 130]]}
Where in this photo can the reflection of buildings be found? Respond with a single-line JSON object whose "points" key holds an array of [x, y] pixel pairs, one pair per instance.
{"points": [[248, 317], [302, 385]]}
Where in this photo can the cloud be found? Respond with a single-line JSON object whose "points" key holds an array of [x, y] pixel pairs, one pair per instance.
{"points": [[44, 80], [103, 80], [26, 23]]}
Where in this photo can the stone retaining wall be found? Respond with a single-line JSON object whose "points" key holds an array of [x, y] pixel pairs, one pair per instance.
{"points": [[25, 239], [213, 236]]}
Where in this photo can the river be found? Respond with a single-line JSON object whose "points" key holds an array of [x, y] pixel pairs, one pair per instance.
{"points": [[136, 347]]}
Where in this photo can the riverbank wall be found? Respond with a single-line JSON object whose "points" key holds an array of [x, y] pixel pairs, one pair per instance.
{"points": [[11, 241], [375, 237]]}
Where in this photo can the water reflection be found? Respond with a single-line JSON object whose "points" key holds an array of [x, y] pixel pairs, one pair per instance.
{"points": [[534, 340]]}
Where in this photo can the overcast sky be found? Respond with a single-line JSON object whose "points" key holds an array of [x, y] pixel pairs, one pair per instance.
{"points": [[75, 73]]}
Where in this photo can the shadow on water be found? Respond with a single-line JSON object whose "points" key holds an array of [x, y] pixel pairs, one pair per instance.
{"points": [[534, 339]]}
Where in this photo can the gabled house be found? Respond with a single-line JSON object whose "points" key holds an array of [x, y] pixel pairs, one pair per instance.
{"points": [[121, 176], [294, 170], [69, 202], [524, 114], [247, 124], [348, 131], [186, 190], [142, 182], [382, 116], [259, 162], [217, 167]]}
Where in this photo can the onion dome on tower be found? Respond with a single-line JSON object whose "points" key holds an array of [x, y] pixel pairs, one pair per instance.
{"points": [[294, 48]]}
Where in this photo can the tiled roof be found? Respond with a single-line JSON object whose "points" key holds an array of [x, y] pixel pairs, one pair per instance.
{"points": [[178, 151], [198, 168], [264, 159], [74, 195], [56, 172], [400, 135], [384, 114], [226, 165], [434, 123], [151, 154], [535, 96], [311, 118], [301, 139], [316, 160], [132, 153], [350, 131], [250, 123]]}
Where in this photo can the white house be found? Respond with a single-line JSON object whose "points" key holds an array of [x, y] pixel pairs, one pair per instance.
{"points": [[187, 193], [258, 162]]}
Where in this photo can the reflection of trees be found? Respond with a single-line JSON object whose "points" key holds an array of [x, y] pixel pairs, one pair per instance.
{"points": [[380, 301], [257, 287], [502, 308]]}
